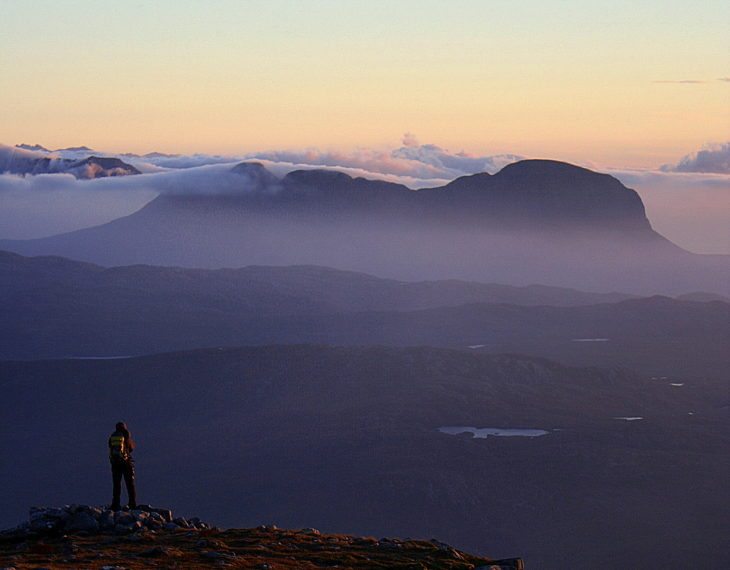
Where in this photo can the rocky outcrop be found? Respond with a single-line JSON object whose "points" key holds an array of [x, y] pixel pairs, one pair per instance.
{"points": [[91, 520], [82, 536]]}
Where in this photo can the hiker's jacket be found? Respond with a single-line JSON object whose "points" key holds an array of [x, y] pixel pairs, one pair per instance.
{"points": [[120, 447]]}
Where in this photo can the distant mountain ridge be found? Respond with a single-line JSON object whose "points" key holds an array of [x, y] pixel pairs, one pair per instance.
{"points": [[55, 307], [33, 160], [535, 221], [543, 193]]}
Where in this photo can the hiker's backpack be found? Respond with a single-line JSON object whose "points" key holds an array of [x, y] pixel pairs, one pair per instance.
{"points": [[118, 452]]}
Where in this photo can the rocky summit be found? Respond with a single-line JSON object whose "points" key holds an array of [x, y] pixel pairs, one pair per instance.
{"points": [[88, 537]]}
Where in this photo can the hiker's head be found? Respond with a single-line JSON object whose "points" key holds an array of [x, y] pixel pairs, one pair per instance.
{"points": [[121, 426]]}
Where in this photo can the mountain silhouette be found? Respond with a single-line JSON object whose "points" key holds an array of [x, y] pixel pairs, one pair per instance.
{"points": [[33, 159], [535, 221]]}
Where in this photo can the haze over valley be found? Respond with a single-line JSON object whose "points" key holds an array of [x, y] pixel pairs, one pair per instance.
{"points": [[502, 337]]}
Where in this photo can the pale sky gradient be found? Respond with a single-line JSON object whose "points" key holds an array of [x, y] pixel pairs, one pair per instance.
{"points": [[576, 80]]}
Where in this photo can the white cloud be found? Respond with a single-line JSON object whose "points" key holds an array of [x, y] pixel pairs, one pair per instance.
{"points": [[412, 160], [713, 158], [691, 208]]}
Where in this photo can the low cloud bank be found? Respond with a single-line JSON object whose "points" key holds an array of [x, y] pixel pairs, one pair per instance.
{"points": [[424, 162], [713, 158], [688, 202]]}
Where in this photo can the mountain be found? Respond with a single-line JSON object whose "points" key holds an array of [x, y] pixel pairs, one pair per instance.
{"points": [[55, 307], [33, 147], [347, 440], [533, 222], [24, 160], [702, 296]]}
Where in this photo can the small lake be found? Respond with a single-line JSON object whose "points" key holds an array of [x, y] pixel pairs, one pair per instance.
{"points": [[481, 433], [629, 418], [97, 357]]}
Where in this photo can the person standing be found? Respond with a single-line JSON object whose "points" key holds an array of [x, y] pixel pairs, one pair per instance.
{"points": [[121, 447]]}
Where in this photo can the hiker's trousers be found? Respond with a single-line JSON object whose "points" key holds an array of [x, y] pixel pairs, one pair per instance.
{"points": [[126, 470]]}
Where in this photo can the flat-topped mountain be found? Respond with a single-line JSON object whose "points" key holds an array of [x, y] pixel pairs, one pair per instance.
{"points": [[543, 193], [534, 221]]}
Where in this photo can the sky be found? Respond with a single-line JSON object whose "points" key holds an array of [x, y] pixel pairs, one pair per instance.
{"points": [[622, 84]]}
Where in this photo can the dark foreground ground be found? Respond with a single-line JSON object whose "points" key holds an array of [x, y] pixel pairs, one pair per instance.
{"points": [[262, 548]]}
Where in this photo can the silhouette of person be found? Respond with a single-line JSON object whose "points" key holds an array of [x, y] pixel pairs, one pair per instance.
{"points": [[121, 447]]}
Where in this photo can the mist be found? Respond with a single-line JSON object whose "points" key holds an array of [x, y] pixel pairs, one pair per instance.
{"points": [[689, 208]]}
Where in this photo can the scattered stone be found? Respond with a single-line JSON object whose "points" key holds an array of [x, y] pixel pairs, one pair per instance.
{"points": [[124, 518], [217, 555], [506, 564], [312, 531], [97, 533], [155, 552], [82, 521], [106, 520]]}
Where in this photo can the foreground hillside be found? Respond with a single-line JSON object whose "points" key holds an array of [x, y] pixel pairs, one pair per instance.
{"points": [[86, 536], [347, 439]]}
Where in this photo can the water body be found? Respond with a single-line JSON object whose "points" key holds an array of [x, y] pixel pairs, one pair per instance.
{"points": [[97, 357], [629, 418], [473, 346], [482, 433]]}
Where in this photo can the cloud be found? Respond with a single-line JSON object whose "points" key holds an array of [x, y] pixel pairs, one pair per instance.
{"points": [[688, 202], [413, 163], [47, 204], [409, 139], [412, 160], [726, 79], [714, 158], [681, 81]]}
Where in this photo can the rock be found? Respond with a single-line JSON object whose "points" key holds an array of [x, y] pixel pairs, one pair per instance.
{"points": [[81, 521], [94, 512], [267, 527], [166, 514], [217, 555], [153, 523], [43, 525], [156, 552], [125, 518], [506, 564], [106, 520], [137, 536], [312, 531], [127, 528], [180, 521], [171, 526]]}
